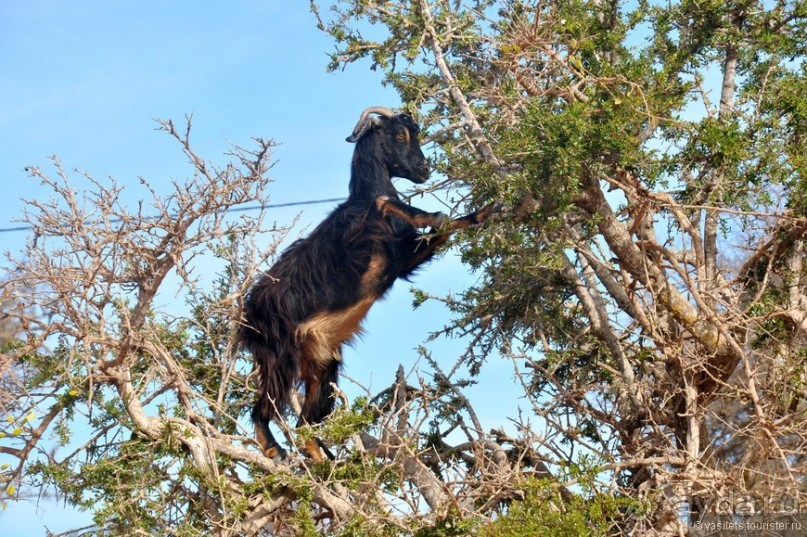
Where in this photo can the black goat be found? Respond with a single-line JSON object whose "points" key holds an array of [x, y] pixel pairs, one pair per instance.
{"points": [[314, 298]]}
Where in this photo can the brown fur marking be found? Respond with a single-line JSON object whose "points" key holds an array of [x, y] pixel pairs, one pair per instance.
{"points": [[322, 334], [312, 447], [375, 270]]}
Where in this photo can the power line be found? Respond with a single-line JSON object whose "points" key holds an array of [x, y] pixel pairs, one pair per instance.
{"points": [[248, 208]]}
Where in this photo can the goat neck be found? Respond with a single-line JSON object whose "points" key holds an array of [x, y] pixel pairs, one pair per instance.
{"points": [[369, 174]]}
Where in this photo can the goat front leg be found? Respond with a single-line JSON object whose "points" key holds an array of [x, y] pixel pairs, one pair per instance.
{"points": [[440, 221], [418, 218], [438, 237], [475, 218]]}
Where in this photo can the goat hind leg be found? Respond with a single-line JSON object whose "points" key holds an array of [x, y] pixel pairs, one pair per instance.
{"points": [[319, 403], [271, 447]]}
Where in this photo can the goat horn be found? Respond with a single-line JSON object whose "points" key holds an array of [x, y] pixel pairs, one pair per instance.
{"points": [[363, 123]]}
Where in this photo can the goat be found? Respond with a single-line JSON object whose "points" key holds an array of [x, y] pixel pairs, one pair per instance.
{"points": [[301, 311]]}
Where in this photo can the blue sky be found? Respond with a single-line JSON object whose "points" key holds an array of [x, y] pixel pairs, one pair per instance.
{"points": [[85, 80]]}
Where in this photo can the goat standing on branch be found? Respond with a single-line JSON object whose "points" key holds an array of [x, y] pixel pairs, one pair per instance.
{"points": [[313, 300]]}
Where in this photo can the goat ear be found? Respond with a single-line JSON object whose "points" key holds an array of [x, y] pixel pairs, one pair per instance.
{"points": [[362, 128]]}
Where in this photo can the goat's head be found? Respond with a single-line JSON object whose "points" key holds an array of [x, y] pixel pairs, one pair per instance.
{"points": [[396, 137]]}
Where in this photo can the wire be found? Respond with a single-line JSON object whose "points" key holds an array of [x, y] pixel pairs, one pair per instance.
{"points": [[230, 210]]}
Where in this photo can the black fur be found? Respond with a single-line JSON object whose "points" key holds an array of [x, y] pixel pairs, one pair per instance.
{"points": [[349, 261]]}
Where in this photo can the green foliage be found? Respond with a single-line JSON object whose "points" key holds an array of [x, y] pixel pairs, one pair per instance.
{"points": [[650, 105], [343, 423], [578, 101], [449, 526], [543, 511]]}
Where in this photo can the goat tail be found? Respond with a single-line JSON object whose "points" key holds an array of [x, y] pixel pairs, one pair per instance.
{"points": [[276, 378], [277, 369]]}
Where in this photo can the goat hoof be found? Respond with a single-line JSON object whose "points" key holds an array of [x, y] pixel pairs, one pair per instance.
{"points": [[315, 449], [274, 452], [325, 450], [312, 448], [441, 220], [490, 209]]}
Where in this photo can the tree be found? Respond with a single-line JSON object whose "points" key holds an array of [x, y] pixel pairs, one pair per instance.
{"points": [[645, 279], [128, 397], [649, 279]]}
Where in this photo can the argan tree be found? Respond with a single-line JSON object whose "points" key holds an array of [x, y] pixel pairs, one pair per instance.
{"points": [[649, 280], [645, 278], [125, 394]]}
